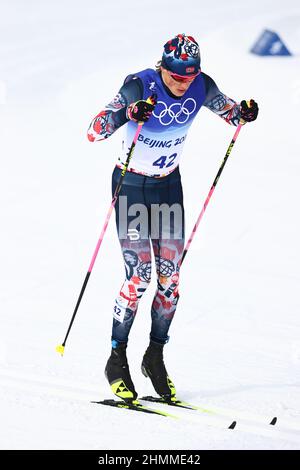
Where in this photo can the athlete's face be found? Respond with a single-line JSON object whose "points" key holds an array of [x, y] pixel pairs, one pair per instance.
{"points": [[176, 85]]}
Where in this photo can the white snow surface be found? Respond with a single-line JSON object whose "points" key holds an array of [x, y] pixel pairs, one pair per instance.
{"points": [[234, 342]]}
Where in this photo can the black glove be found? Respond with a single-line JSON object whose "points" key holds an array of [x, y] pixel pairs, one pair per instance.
{"points": [[249, 111], [140, 111]]}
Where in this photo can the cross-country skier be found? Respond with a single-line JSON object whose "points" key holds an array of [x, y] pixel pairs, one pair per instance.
{"points": [[179, 88]]}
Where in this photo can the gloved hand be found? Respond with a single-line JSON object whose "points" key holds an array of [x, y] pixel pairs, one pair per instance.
{"points": [[140, 111], [249, 110]]}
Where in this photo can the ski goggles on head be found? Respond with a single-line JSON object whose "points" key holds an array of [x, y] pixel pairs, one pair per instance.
{"points": [[183, 78]]}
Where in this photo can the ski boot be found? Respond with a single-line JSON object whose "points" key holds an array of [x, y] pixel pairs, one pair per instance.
{"points": [[118, 375], [153, 367]]}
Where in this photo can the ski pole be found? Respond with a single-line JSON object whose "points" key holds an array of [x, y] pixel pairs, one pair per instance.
{"points": [[61, 347], [211, 191]]}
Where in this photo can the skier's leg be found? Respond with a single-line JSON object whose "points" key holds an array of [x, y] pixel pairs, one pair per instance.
{"points": [[136, 250], [168, 249]]}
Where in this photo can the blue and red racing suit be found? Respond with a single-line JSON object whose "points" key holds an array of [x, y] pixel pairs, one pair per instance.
{"points": [[153, 180]]}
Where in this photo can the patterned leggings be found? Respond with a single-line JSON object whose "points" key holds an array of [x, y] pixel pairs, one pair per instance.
{"points": [[164, 230]]}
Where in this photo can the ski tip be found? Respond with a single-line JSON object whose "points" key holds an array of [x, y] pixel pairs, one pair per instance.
{"points": [[60, 349], [273, 421], [233, 425]]}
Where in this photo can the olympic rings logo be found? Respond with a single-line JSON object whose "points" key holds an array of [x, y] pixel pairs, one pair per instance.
{"points": [[179, 112]]}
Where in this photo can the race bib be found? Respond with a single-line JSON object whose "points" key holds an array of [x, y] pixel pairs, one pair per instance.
{"points": [[120, 308]]}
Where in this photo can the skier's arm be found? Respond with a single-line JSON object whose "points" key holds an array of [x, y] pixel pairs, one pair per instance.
{"points": [[219, 103], [114, 114]]}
